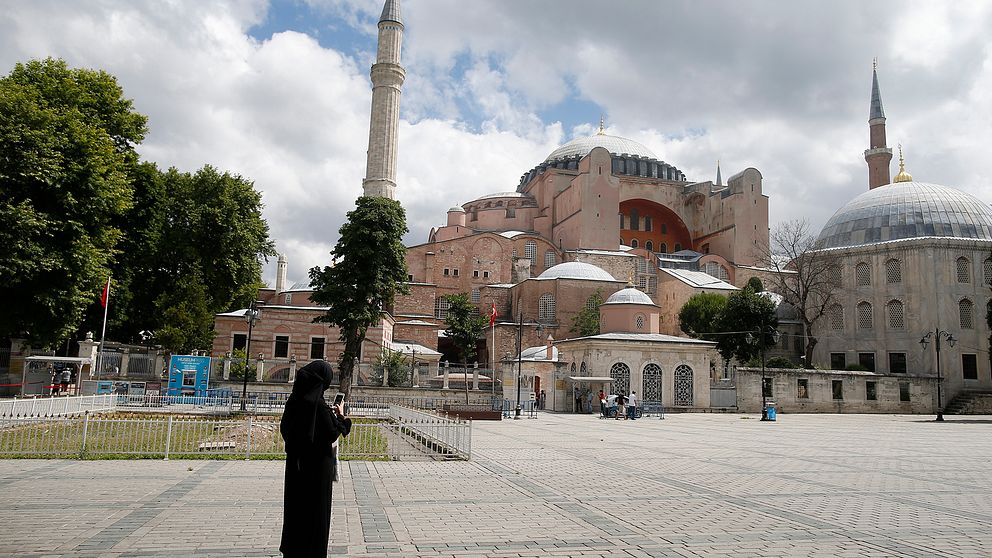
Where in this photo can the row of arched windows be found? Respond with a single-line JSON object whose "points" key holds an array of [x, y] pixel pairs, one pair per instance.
{"points": [[651, 379], [893, 272], [895, 313], [649, 246]]}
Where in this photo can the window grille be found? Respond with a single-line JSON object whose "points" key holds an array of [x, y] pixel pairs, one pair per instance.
{"points": [[836, 317], [683, 386], [651, 383], [895, 311], [583, 371], [647, 223], [476, 296], [639, 322], [288, 299], [862, 275], [836, 276], [530, 250], [967, 312], [549, 259], [864, 315], [893, 271], [987, 271], [664, 248], [678, 247], [441, 306], [620, 373], [642, 265], [964, 270], [633, 243], [649, 246], [591, 303], [546, 307]]}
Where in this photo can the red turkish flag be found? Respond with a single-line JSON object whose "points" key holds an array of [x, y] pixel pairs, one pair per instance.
{"points": [[105, 295], [492, 315]]}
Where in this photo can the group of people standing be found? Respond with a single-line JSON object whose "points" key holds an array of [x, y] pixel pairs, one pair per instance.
{"points": [[626, 406], [62, 378]]}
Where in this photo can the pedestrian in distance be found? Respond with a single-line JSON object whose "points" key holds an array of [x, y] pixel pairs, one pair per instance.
{"points": [[602, 404], [621, 410], [310, 427], [632, 406]]}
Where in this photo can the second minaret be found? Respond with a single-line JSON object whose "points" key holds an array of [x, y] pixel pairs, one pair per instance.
{"points": [[387, 87]]}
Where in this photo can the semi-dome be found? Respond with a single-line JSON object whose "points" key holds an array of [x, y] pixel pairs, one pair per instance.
{"points": [[630, 295], [576, 270], [616, 145], [907, 210]]}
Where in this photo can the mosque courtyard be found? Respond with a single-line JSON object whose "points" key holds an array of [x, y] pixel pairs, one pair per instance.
{"points": [[558, 485]]}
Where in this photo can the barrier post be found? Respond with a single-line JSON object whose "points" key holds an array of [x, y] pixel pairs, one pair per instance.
{"points": [[248, 448], [168, 438], [86, 425]]}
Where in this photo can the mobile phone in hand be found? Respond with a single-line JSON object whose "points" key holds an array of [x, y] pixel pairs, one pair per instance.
{"points": [[338, 399]]}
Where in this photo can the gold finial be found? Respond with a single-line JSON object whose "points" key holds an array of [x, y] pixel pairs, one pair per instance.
{"points": [[903, 176], [602, 126]]}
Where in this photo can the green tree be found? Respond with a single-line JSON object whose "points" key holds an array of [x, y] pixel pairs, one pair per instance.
{"points": [[698, 316], [67, 140], [464, 326], [238, 366], [586, 322], [746, 312], [394, 364], [369, 270], [755, 284]]}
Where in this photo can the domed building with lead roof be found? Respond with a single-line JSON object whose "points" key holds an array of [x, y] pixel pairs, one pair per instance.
{"points": [[912, 258]]}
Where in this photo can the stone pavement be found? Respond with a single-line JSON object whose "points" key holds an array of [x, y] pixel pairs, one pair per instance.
{"points": [[689, 485]]}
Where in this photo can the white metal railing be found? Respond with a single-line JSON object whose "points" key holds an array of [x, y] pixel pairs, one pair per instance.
{"points": [[251, 437], [443, 436], [56, 406]]}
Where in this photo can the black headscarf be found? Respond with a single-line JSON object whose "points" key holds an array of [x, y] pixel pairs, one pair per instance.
{"points": [[299, 418]]}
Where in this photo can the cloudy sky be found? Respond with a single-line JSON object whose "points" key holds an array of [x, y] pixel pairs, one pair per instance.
{"points": [[278, 91]]}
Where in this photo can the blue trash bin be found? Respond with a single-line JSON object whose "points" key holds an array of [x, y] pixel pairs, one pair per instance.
{"points": [[771, 412]]}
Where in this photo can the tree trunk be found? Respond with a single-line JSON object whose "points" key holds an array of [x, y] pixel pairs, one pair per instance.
{"points": [[810, 344], [352, 348]]}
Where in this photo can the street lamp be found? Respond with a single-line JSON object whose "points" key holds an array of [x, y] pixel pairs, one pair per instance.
{"points": [[520, 356], [924, 341], [761, 339], [251, 315]]}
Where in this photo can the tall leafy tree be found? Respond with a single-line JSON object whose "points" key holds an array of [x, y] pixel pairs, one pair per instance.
{"points": [[464, 326], [67, 139], [745, 312], [586, 322], [369, 270], [698, 316]]}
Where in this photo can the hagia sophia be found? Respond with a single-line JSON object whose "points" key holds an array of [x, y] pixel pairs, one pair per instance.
{"points": [[605, 215]]}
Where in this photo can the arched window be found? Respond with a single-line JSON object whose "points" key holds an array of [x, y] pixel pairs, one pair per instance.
{"points": [[664, 248], [966, 310], [639, 322], [441, 305], [573, 369], [633, 243], [549, 259], [893, 271], [836, 276], [530, 251], [964, 270], [894, 309], [620, 373], [864, 315], [649, 246], [987, 271], [583, 371], [546, 308], [651, 383], [862, 275], [836, 314], [683, 386], [678, 247]]}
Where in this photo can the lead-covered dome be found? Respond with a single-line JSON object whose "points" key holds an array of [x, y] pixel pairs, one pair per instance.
{"points": [[614, 144], [576, 270], [630, 295], [907, 210]]}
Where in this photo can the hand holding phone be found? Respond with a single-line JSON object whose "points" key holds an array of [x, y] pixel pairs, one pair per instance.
{"points": [[338, 403]]}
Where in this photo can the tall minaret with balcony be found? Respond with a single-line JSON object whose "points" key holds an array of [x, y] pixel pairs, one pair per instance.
{"points": [[387, 86], [877, 155]]}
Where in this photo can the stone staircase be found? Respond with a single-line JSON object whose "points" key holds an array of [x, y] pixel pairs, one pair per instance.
{"points": [[970, 403]]}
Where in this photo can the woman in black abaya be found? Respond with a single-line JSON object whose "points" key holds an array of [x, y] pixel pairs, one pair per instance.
{"points": [[309, 426]]}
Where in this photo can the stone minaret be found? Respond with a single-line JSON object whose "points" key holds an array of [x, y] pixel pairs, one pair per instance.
{"points": [[877, 155], [387, 84], [281, 266]]}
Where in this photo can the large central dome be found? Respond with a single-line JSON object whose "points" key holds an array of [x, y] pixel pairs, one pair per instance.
{"points": [[614, 144], [907, 210]]}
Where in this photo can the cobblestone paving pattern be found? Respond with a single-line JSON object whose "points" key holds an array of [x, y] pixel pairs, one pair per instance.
{"points": [[687, 486]]}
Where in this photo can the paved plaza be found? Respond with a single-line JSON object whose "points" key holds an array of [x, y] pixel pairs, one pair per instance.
{"points": [[689, 485]]}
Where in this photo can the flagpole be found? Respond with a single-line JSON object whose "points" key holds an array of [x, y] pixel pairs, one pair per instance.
{"points": [[492, 357], [103, 333]]}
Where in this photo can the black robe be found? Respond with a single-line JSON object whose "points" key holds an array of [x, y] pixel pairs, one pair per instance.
{"points": [[309, 427]]}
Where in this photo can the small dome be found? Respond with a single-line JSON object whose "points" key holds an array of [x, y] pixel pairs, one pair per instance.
{"points": [[456, 209], [615, 145], [907, 210], [630, 295], [576, 270]]}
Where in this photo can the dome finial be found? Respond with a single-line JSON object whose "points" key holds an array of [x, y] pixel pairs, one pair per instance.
{"points": [[903, 176], [602, 126]]}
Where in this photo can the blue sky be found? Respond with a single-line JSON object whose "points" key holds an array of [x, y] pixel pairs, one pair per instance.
{"points": [[279, 92]]}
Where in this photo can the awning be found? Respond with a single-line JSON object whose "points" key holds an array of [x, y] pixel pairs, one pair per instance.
{"points": [[590, 378], [41, 358]]}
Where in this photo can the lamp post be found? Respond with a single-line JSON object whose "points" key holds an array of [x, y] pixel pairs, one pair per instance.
{"points": [[251, 315], [937, 334], [762, 334], [520, 359]]}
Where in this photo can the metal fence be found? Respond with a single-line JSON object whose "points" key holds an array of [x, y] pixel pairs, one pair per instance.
{"points": [[408, 435], [56, 406]]}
